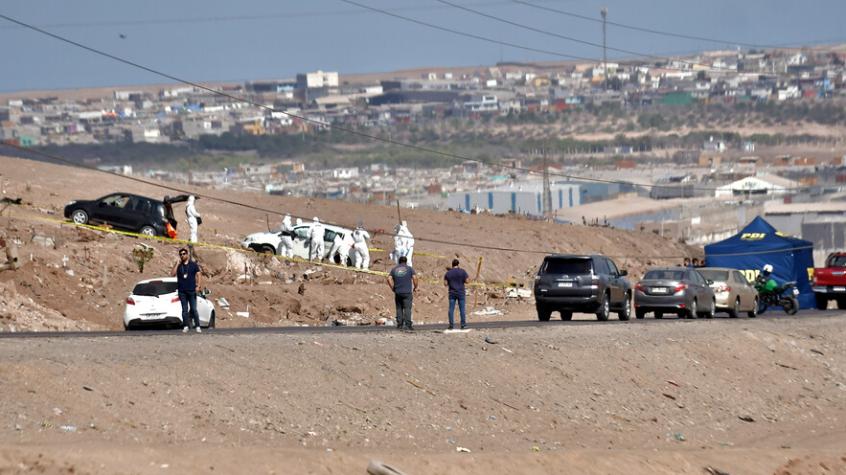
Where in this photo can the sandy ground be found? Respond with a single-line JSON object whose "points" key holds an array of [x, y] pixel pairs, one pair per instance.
{"points": [[735, 396], [89, 286]]}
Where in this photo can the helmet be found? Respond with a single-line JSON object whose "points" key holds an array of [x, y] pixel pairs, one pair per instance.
{"points": [[768, 269]]}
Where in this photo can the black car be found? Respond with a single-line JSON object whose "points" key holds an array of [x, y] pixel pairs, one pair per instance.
{"points": [[127, 211], [594, 284]]}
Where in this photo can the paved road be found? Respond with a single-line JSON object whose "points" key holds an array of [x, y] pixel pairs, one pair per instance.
{"points": [[769, 316]]}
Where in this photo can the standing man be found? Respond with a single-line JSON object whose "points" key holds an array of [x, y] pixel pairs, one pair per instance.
{"points": [[407, 241], [194, 219], [316, 245], [286, 243], [403, 281], [188, 275], [341, 246], [455, 279], [361, 254]]}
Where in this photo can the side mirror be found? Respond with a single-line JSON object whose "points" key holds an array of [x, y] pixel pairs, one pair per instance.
{"points": [[205, 292], [624, 273], [709, 281], [101, 204]]}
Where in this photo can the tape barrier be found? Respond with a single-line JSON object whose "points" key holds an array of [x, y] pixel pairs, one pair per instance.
{"points": [[207, 245]]}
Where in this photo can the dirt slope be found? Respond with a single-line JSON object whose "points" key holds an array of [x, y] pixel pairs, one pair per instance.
{"points": [[84, 276]]}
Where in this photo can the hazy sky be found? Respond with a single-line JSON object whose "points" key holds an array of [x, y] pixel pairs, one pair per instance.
{"points": [[259, 39]]}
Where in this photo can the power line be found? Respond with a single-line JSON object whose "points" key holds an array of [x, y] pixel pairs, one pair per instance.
{"points": [[229, 18], [643, 29], [467, 35], [570, 38]]}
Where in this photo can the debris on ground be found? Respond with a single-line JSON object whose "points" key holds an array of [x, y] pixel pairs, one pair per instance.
{"points": [[488, 312]]}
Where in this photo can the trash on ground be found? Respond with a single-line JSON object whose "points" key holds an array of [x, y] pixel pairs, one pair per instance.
{"points": [[487, 312]]}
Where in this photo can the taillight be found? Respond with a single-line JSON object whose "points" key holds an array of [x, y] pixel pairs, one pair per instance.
{"points": [[679, 288], [640, 287], [722, 289], [174, 299], [129, 301]]}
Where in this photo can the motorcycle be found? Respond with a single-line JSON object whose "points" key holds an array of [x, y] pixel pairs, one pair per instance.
{"points": [[784, 296]]}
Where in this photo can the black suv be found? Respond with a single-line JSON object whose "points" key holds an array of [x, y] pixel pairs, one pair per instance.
{"points": [[127, 211], [568, 283]]}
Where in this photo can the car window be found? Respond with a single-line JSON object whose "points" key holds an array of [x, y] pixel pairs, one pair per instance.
{"points": [[738, 277], [613, 267], [160, 210], [141, 205], [715, 275], [118, 201], [567, 266], [697, 278], [836, 261], [154, 288], [600, 266], [302, 232], [664, 275], [329, 235]]}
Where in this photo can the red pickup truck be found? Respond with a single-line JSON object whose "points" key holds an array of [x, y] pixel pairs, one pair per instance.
{"points": [[830, 281]]}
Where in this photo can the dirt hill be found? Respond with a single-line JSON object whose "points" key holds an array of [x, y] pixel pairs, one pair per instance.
{"points": [[84, 275]]}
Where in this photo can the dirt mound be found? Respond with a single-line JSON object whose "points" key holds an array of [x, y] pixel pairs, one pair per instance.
{"points": [[20, 313]]}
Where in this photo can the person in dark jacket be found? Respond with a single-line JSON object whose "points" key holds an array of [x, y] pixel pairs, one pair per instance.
{"points": [[403, 281], [454, 280]]}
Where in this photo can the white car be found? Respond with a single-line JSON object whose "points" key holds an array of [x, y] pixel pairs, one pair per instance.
{"points": [[268, 242], [156, 302]]}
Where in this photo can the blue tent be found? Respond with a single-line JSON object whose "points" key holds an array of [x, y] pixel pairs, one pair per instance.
{"points": [[760, 243]]}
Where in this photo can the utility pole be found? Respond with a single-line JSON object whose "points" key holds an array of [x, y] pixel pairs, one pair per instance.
{"points": [[547, 193], [604, 13]]}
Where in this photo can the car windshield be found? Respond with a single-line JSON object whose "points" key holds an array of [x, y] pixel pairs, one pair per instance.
{"points": [[837, 261], [154, 288], [664, 275], [714, 275], [567, 266]]}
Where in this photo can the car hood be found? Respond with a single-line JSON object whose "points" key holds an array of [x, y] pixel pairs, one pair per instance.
{"points": [[259, 237]]}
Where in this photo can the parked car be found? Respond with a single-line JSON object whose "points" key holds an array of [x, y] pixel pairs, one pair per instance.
{"points": [[268, 242], [128, 212], [733, 292], [830, 281], [677, 290], [156, 302], [571, 283]]}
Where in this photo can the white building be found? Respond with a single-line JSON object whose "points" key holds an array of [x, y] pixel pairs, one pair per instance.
{"points": [[765, 184], [344, 173], [482, 104], [317, 80], [518, 199]]}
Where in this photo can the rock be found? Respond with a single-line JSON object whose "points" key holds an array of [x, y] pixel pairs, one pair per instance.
{"points": [[462, 450], [746, 418], [44, 241]]}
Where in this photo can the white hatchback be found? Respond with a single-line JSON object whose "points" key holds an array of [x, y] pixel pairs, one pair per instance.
{"points": [[156, 302]]}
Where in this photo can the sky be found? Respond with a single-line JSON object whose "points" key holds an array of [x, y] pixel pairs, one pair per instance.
{"points": [[216, 40]]}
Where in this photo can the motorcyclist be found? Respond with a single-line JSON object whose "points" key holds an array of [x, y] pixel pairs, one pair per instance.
{"points": [[765, 282]]}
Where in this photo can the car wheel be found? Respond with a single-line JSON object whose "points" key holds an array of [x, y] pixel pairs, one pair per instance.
{"points": [[626, 312], [691, 312], [544, 313], [79, 216], [148, 231], [604, 309], [821, 302], [710, 313], [266, 249], [659, 315], [566, 315], [754, 312], [735, 310], [211, 320], [639, 314]]}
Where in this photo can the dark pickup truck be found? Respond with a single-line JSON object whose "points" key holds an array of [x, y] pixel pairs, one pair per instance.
{"points": [[830, 281]]}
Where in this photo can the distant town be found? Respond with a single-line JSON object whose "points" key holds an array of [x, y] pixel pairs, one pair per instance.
{"points": [[672, 190]]}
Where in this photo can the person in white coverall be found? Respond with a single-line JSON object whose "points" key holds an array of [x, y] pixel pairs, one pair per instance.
{"points": [[407, 239], [193, 217], [399, 245], [316, 246], [361, 254], [342, 246], [286, 243]]}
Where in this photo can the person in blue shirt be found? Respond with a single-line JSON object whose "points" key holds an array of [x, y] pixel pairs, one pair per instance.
{"points": [[403, 281], [188, 275], [454, 280]]}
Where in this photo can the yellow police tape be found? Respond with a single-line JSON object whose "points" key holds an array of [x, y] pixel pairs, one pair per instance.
{"points": [[166, 240]]}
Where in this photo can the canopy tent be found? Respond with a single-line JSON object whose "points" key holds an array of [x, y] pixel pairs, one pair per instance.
{"points": [[760, 243]]}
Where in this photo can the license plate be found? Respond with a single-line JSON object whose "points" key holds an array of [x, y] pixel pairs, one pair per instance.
{"points": [[839, 289], [795, 291], [152, 315], [565, 284], [659, 290]]}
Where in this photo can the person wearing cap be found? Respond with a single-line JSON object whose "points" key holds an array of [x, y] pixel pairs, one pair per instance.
{"points": [[316, 245]]}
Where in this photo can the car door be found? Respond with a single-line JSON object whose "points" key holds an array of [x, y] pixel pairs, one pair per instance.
{"points": [[111, 210], [136, 211], [745, 291], [301, 241], [616, 282], [704, 290]]}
